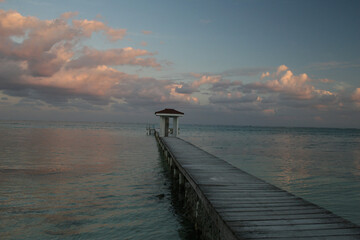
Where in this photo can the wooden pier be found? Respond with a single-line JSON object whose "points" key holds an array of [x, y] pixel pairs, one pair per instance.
{"points": [[241, 206]]}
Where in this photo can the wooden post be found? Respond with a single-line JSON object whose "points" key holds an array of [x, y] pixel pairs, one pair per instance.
{"points": [[176, 172], [181, 180]]}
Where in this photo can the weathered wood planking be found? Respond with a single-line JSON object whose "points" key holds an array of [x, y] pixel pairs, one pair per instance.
{"points": [[247, 206]]}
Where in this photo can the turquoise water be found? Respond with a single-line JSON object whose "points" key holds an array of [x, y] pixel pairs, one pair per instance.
{"points": [[84, 181], [319, 164]]}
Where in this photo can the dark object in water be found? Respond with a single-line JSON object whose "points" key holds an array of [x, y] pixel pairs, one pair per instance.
{"points": [[160, 196]]}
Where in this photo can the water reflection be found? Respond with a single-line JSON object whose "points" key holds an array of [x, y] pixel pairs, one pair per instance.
{"points": [[87, 182]]}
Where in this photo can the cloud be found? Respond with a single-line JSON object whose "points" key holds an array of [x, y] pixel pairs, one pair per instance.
{"points": [[68, 15], [325, 80], [234, 97], [264, 75], [356, 95], [125, 56], [146, 32], [282, 90], [225, 85], [50, 62], [287, 84], [244, 71], [291, 85], [194, 86], [46, 64], [185, 88], [115, 34], [205, 79], [46, 45], [281, 68], [14, 24], [95, 82], [10, 70], [88, 27], [98, 86], [269, 111], [178, 96], [41, 60]]}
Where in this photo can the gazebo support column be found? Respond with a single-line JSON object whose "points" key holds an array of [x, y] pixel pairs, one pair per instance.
{"points": [[162, 126], [175, 126], [166, 127]]}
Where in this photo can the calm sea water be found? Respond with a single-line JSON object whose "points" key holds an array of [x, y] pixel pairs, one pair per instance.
{"points": [[318, 164], [63, 180], [84, 181]]}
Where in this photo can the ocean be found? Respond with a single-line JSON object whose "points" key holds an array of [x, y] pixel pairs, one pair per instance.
{"points": [[82, 180], [75, 180]]}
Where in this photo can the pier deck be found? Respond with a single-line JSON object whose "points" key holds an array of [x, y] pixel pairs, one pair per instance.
{"points": [[246, 207]]}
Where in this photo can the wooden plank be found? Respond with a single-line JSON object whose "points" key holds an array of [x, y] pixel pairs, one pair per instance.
{"points": [[298, 233], [291, 222], [295, 227], [240, 208], [251, 207], [272, 213], [347, 237]]}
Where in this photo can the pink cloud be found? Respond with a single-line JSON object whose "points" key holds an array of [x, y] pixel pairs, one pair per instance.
{"points": [[42, 42], [47, 45], [45, 63], [356, 95], [325, 80], [285, 82], [283, 89], [201, 80], [264, 75], [13, 23], [182, 97], [124, 56], [50, 62], [291, 84], [81, 81], [115, 34], [68, 15], [146, 32], [269, 111], [205, 79], [281, 68], [90, 26], [103, 84]]}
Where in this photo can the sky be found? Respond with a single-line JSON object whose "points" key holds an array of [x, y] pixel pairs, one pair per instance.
{"points": [[229, 62]]}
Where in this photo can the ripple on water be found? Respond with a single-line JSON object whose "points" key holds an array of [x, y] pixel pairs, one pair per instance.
{"points": [[73, 181]]}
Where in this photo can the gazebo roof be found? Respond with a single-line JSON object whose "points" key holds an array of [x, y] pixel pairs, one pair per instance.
{"points": [[169, 112]]}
